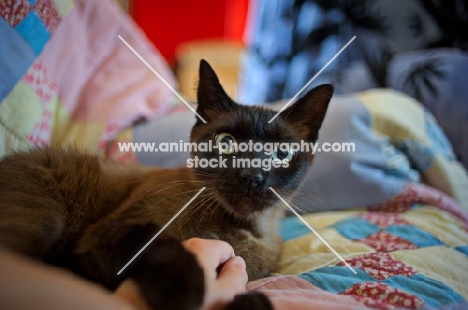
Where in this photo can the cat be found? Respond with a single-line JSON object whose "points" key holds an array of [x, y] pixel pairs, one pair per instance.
{"points": [[91, 215]]}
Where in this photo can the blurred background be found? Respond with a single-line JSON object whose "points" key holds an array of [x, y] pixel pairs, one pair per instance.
{"points": [[185, 31], [267, 50]]}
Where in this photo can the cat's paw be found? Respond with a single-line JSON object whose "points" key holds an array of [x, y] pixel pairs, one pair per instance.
{"points": [[169, 276], [252, 300]]}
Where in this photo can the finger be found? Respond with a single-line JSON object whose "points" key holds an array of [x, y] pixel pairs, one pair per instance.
{"points": [[128, 291], [233, 276], [210, 253]]}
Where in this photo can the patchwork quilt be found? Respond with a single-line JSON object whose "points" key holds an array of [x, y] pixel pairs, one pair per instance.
{"points": [[395, 210], [65, 77], [409, 251], [413, 257], [397, 142]]}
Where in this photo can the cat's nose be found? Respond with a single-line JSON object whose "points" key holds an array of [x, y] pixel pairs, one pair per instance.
{"points": [[251, 176]]}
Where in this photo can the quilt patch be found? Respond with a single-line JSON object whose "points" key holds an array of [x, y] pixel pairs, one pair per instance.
{"points": [[14, 11], [46, 10], [39, 79], [26, 27], [382, 296], [381, 266], [395, 275]]}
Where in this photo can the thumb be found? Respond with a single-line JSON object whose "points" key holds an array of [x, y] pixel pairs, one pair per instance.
{"points": [[233, 275]]}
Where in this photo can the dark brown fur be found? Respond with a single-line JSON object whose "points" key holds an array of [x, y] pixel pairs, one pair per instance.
{"points": [[92, 215]]}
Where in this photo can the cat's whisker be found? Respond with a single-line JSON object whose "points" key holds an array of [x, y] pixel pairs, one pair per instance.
{"points": [[298, 198], [214, 210], [310, 204], [303, 193], [184, 193], [195, 208], [297, 208], [174, 184], [184, 218], [205, 211], [290, 201], [152, 191]]}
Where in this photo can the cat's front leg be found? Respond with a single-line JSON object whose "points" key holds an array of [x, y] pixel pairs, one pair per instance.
{"points": [[168, 276], [252, 300], [260, 254]]}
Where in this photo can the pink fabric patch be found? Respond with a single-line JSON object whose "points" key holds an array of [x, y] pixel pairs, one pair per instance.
{"points": [[42, 83], [381, 296], [384, 219], [384, 242], [108, 134], [289, 292], [46, 10], [14, 11], [42, 133], [114, 153], [434, 197], [45, 88], [381, 266], [420, 193], [401, 202], [101, 80]]}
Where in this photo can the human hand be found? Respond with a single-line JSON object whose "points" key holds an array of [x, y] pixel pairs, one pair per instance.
{"points": [[225, 273]]}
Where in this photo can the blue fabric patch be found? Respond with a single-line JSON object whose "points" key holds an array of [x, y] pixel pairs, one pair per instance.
{"points": [[414, 234], [437, 137], [433, 292], [32, 2], [291, 228], [419, 154], [336, 279], [16, 57], [34, 31], [398, 164], [356, 228], [463, 249]]}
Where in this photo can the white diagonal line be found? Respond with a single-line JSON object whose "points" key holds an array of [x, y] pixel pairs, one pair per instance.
{"points": [[161, 78], [313, 230], [311, 80], [160, 231]]}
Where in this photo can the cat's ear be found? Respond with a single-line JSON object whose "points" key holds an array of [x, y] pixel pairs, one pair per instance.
{"points": [[212, 99], [308, 112]]}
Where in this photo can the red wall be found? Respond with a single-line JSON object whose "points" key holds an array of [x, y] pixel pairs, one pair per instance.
{"points": [[168, 23]]}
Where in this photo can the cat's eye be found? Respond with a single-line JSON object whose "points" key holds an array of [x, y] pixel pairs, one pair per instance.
{"points": [[226, 143], [284, 156]]}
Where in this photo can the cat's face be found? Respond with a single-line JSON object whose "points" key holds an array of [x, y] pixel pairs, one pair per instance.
{"points": [[241, 175]]}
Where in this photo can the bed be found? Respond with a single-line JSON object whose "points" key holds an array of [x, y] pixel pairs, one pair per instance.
{"points": [[396, 209]]}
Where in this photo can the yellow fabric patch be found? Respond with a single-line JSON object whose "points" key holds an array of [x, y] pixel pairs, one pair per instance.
{"points": [[395, 114], [10, 142], [450, 177], [325, 219], [20, 111], [82, 135], [309, 252], [440, 263], [125, 135], [442, 225], [64, 6]]}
